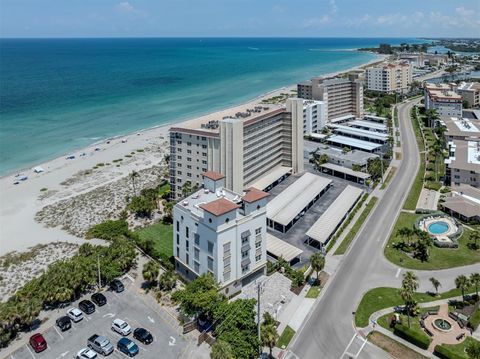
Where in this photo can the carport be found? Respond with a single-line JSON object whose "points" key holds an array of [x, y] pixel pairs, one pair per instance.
{"points": [[278, 248], [345, 173], [323, 229], [286, 208], [272, 178]]}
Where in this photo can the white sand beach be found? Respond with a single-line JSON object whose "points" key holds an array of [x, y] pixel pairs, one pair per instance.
{"points": [[60, 203]]}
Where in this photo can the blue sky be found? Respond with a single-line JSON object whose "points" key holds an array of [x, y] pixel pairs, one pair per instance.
{"points": [[315, 18]]}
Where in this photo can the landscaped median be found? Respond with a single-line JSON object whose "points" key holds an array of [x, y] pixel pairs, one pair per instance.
{"points": [[286, 337], [342, 248]]}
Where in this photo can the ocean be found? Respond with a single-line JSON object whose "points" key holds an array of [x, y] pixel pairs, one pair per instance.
{"points": [[58, 95]]}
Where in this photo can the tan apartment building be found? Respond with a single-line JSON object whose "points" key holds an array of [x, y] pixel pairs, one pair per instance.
{"points": [[342, 96], [470, 92], [247, 144], [443, 99], [463, 164], [389, 78]]}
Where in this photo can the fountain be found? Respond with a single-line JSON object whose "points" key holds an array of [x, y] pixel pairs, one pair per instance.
{"points": [[442, 325]]}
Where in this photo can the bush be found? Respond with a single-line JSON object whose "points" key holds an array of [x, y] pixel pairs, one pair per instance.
{"points": [[474, 319], [445, 244], [417, 338], [444, 352], [108, 230]]}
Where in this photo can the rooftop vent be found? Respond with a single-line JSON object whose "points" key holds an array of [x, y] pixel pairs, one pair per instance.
{"points": [[185, 203]]}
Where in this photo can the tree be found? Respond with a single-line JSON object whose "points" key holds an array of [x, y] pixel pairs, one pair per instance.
{"points": [[167, 280], [268, 332], [409, 286], [317, 261], [475, 237], [345, 150], [436, 283], [150, 271], [462, 283], [186, 188], [142, 206], [475, 281], [221, 350], [133, 176], [473, 349], [405, 233], [421, 247], [375, 168]]}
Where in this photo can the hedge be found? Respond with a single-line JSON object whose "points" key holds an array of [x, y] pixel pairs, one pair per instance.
{"points": [[474, 319], [444, 352], [413, 336]]}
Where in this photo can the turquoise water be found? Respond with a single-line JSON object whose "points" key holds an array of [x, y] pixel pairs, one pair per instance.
{"points": [[57, 95], [438, 227]]}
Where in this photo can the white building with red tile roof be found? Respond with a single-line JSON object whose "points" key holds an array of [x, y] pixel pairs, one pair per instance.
{"points": [[222, 232]]}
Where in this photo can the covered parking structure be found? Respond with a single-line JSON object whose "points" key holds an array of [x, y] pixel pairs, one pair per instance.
{"points": [[361, 134], [323, 229], [272, 178], [287, 208], [354, 144], [344, 172], [369, 126], [277, 248]]}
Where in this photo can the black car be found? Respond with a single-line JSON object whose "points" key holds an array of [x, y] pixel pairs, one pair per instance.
{"points": [[64, 323], [86, 306], [143, 335], [99, 299], [117, 286]]}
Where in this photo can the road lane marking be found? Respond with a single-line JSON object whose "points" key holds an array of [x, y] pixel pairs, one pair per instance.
{"points": [[171, 342], [398, 272], [33, 356], [151, 320], [60, 335]]}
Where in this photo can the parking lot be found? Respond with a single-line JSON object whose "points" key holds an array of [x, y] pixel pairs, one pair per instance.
{"points": [[137, 310]]}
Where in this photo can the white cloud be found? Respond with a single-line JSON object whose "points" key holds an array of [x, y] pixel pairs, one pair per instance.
{"points": [[333, 7], [125, 7], [462, 11], [316, 21]]}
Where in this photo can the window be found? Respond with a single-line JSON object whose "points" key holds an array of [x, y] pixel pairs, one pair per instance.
{"points": [[245, 269], [196, 267], [178, 238], [179, 173], [187, 245], [210, 247], [244, 254], [245, 240], [204, 162], [189, 151], [204, 146], [259, 257], [197, 237], [258, 231], [204, 154], [178, 226], [196, 253], [226, 248], [226, 276], [187, 232], [210, 263], [178, 251], [187, 259], [258, 244], [189, 159], [189, 174], [189, 143]]}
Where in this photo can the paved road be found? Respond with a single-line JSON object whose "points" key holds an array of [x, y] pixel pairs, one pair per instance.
{"points": [[329, 331]]}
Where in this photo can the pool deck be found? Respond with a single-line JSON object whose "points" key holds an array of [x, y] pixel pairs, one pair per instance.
{"points": [[443, 237]]}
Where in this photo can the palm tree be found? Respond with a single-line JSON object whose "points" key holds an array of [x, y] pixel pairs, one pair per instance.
{"points": [[475, 237], [405, 232], [462, 283], [409, 286], [317, 261], [134, 175], [150, 271], [436, 284], [475, 280], [407, 295], [269, 336], [221, 350]]}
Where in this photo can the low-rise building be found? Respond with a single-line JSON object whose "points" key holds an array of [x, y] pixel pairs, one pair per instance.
{"points": [[443, 99], [470, 92], [342, 96], [463, 163], [389, 78], [221, 232], [458, 128], [463, 203]]}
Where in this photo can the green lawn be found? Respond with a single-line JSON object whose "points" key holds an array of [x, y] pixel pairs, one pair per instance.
{"points": [[459, 349], [384, 321], [356, 227], [385, 297], [389, 177], [285, 338], [161, 234], [164, 188], [313, 292], [440, 258]]}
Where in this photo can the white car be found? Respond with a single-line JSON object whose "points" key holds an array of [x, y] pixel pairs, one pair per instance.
{"points": [[75, 314], [121, 327], [86, 353]]}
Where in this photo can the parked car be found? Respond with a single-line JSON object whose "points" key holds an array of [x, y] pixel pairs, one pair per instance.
{"points": [[87, 306], [121, 327], [64, 323], [128, 347], [100, 344], [143, 335], [75, 314], [99, 299], [117, 286], [38, 343], [86, 353]]}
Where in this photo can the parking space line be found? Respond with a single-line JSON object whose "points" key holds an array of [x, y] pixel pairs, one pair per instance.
{"points": [[60, 335], [12, 357], [33, 356]]}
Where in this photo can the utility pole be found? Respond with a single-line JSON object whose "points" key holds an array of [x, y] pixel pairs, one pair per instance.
{"points": [[98, 265]]}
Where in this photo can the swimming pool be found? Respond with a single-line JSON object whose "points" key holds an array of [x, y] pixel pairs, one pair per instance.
{"points": [[438, 227]]}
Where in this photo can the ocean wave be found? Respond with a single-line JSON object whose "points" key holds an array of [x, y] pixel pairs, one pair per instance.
{"points": [[253, 48]]}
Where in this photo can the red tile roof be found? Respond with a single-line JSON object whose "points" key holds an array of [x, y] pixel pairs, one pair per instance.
{"points": [[219, 206], [215, 176], [253, 194]]}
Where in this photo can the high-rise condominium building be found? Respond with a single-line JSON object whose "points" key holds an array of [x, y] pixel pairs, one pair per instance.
{"points": [[245, 145], [221, 232], [313, 113], [392, 77], [342, 96]]}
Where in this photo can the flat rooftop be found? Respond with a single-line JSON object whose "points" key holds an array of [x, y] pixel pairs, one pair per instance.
{"points": [[272, 175], [349, 141], [352, 131], [461, 126], [287, 205], [280, 248], [329, 221], [342, 118], [466, 156], [369, 124], [354, 156], [346, 170]]}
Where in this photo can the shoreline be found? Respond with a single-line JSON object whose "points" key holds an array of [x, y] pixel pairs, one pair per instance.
{"points": [[59, 204], [378, 58]]}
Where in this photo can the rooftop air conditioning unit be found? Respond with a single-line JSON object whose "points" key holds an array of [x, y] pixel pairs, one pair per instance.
{"points": [[185, 203]]}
